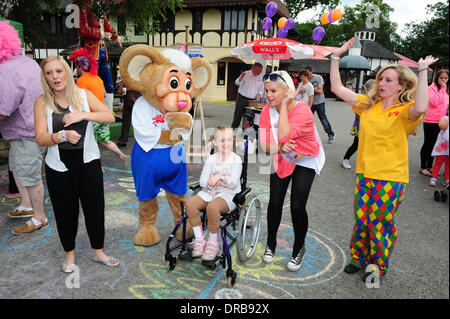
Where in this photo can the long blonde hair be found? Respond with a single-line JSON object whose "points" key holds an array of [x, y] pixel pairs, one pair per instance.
{"points": [[406, 78], [72, 90]]}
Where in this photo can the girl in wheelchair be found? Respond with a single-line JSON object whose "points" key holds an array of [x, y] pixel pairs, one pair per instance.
{"points": [[220, 182]]}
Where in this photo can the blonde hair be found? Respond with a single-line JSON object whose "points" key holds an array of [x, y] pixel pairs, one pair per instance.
{"points": [[406, 78], [287, 83], [72, 90]]}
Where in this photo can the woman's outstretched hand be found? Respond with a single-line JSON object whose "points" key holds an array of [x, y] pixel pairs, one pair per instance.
{"points": [[428, 60], [345, 47]]}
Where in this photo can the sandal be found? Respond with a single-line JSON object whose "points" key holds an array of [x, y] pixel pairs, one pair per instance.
{"points": [[68, 268], [111, 262], [425, 172]]}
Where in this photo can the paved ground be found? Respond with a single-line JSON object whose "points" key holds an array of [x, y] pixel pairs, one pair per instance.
{"points": [[30, 265]]}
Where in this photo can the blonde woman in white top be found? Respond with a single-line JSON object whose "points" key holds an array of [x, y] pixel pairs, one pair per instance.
{"points": [[73, 169]]}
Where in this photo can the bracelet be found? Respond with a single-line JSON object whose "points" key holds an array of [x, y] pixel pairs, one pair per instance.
{"points": [[53, 141], [334, 57], [62, 136], [422, 70]]}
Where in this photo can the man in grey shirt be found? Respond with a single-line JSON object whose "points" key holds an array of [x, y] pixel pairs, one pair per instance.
{"points": [[319, 103]]}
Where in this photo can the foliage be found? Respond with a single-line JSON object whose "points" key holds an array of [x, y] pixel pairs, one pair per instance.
{"points": [[30, 13], [296, 6], [430, 36]]}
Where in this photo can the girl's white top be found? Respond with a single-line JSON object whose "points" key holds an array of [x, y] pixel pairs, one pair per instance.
{"points": [[231, 169]]}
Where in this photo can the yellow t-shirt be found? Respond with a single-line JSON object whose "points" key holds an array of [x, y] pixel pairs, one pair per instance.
{"points": [[383, 145]]}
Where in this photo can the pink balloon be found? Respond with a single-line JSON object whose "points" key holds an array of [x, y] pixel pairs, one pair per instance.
{"points": [[318, 34], [290, 23], [267, 23], [271, 9]]}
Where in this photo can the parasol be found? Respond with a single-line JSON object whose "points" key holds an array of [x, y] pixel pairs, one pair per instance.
{"points": [[272, 49]]}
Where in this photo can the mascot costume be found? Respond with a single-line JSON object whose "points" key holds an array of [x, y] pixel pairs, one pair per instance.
{"points": [[168, 81], [94, 31]]}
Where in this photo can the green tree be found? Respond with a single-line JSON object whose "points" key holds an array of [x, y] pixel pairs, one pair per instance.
{"points": [[30, 12], [297, 6], [430, 36]]}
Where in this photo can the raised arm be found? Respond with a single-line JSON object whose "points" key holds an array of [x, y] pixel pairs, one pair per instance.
{"points": [[335, 78], [421, 101]]}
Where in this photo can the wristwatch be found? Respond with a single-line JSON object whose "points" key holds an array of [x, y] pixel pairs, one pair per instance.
{"points": [[62, 136]]}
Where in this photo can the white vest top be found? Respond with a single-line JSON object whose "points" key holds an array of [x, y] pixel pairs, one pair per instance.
{"points": [[90, 147]]}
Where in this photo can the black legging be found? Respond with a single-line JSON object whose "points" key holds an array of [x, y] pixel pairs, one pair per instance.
{"points": [[352, 149], [302, 179], [83, 182], [431, 132]]}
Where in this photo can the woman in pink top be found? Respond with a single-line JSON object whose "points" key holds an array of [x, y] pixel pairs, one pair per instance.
{"points": [[287, 131], [438, 103]]}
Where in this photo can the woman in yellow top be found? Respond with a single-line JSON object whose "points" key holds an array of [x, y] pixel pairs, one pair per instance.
{"points": [[391, 110]]}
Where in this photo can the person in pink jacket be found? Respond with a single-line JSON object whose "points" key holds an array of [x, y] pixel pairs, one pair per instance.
{"points": [[437, 107], [287, 131]]}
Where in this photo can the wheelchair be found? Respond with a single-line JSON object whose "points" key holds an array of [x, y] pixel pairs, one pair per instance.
{"points": [[245, 221]]}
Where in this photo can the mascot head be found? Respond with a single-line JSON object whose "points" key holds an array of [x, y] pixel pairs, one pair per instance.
{"points": [[168, 80]]}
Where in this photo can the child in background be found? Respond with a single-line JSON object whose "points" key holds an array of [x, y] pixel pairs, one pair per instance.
{"points": [[440, 151], [220, 181]]}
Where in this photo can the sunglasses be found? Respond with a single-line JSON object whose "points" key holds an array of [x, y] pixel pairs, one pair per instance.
{"points": [[273, 77]]}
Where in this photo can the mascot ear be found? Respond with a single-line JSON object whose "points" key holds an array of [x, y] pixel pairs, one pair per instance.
{"points": [[133, 61], [202, 75]]}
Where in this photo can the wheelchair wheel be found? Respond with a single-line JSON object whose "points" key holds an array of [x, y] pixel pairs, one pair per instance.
{"points": [[248, 228], [437, 196], [171, 262], [231, 278], [444, 196]]}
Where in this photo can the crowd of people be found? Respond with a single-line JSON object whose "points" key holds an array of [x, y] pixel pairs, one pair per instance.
{"points": [[70, 119]]}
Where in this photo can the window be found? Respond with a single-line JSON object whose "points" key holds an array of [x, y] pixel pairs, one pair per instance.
{"points": [[234, 20], [165, 26], [138, 30], [197, 23], [221, 73]]}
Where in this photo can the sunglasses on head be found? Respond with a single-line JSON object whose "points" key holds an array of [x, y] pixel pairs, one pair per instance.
{"points": [[273, 77]]}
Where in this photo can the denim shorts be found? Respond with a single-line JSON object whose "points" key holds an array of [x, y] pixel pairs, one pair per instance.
{"points": [[25, 159]]}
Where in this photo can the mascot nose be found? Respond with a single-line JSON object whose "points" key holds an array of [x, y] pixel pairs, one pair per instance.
{"points": [[181, 105]]}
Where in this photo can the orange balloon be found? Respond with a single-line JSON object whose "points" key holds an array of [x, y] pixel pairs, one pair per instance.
{"points": [[281, 22], [336, 14], [324, 18]]}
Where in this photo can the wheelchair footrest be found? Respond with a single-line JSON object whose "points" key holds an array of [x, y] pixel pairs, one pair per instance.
{"points": [[212, 264], [185, 255]]}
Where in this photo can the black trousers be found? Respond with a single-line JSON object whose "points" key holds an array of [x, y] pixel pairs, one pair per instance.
{"points": [[431, 132], [302, 179], [241, 104], [83, 182], [352, 149]]}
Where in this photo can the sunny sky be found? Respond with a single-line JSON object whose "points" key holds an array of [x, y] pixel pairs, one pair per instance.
{"points": [[405, 11]]}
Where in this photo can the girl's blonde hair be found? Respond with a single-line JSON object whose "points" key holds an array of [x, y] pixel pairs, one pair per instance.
{"points": [[72, 90], [287, 83], [406, 78]]}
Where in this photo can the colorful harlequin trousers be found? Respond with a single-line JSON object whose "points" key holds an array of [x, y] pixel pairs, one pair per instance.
{"points": [[375, 232]]}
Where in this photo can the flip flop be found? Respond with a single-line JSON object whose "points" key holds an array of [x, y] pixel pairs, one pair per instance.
{"points": [[111, 262], [68, 268], [425, 172]]}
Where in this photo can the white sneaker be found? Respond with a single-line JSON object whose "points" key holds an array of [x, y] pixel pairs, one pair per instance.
{"points": [[268, 256], [346, 164], [294, 264]]}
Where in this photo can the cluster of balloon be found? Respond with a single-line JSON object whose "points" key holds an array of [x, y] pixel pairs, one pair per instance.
{"points": [[327, 17], [284, 25]]}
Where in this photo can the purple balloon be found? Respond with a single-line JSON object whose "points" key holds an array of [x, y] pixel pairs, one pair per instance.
{"points": [[318, 34], [290, 23], [330, 18], [282, 33], [267, 23], [271, 9]]}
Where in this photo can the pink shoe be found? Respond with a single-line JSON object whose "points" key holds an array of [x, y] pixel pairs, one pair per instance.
{"points": [[211, 250], [199, 247], [433, 182]]}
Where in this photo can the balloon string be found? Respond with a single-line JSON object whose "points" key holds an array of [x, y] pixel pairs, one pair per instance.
{"points": [[324, 35]]}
